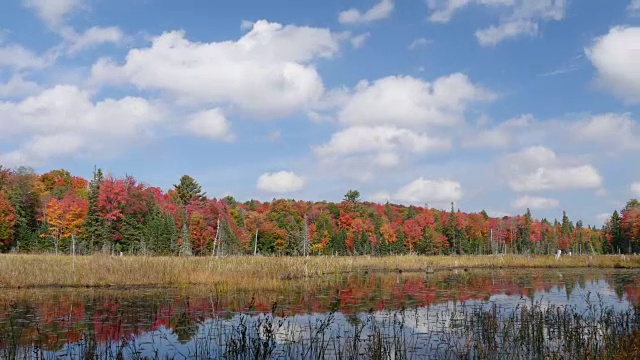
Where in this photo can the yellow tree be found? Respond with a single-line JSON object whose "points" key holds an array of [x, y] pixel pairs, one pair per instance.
{"points": [[65, 217]]}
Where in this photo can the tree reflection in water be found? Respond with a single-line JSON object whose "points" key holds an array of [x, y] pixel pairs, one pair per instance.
{"points": [[99, 322]]}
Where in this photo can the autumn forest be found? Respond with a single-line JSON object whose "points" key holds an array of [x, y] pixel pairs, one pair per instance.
{"points": [[57, 212]]}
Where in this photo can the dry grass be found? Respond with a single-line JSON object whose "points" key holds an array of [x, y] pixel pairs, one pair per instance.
{"points": [[28, 271]]}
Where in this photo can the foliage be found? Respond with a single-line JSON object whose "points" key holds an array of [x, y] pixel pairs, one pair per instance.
{"points": [[188, 190], [41, 212], [352, 196], [7, 220]]}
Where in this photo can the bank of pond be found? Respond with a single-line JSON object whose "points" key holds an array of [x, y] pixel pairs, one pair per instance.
{"points": [[489, 313]]}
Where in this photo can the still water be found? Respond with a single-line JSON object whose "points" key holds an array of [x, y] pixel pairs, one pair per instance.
{"points": [[423, 315]]}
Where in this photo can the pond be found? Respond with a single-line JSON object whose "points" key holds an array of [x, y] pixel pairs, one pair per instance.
{"points": [[532, 313]]}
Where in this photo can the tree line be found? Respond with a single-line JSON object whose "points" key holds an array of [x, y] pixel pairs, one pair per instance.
{"points": [[56, 212]]}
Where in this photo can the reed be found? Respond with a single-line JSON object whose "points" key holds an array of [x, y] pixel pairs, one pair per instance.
{"points": [[30, 271], [533, 330]]}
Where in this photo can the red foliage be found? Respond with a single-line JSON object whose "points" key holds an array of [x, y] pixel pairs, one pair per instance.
{"points": [[412, 232], [7, 220]]}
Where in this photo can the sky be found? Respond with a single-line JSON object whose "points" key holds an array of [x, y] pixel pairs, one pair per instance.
{"points": [[499, 105]]}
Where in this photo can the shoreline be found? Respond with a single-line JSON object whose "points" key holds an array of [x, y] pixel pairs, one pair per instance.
{"points": [[260, 273]]}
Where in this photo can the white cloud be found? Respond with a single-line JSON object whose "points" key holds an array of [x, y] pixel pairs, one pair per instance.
{"points": [[443, 10], [359, 40], [53, 11], [493, 35], [381, 10], [18, 87], [614, 131], [92, 37], [500, 136], [519, 17], [211, 124], [593, 134], [64, 121], [388, 123], [530, 202], [423, 190], [281, 182], [268, 72], [616, 57], [410, 102], [19, 57], [418, 43], [634, 7], [380, 139], [538, 168], [635, 188]]}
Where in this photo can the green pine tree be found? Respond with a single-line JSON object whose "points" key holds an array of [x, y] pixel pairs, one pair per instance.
{"points": [[96, 230]]}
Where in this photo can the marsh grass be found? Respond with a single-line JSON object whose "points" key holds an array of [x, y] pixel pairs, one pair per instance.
{"points": [[260, 273]]}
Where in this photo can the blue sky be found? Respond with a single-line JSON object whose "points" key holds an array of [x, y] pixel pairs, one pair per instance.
{"points": [[493, 104]]}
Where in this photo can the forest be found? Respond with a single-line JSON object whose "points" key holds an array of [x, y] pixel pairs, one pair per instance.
{"points": [[57, 212]]}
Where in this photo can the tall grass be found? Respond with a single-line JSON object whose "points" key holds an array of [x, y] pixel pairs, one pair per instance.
{"points": [[22, 271]]}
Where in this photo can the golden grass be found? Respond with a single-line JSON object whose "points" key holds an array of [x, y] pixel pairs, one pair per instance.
{"points": [[268, 273]]}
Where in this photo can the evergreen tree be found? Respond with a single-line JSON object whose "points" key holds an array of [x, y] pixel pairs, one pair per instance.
{"points": [[352, 196], [615, 231], [96, 230], [26, 202], [451, 232], [189, 190], [185, 244]]}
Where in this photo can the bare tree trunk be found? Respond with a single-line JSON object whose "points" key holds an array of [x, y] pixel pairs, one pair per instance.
{"points": [[255, 244]]}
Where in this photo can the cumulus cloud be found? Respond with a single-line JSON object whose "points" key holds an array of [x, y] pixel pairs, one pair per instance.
{"points": [[519, 17], [538, 168], [19, 58], [387, 123], [211, 124], [421, 191], [613, 131], [634, 7], [635, 188], [63, 120], [281, 182], [381, 10], [615, 57], [359, 152], [384, 139], [405, 101], [92, 37], [268, 72], [17, 87], [533, 202]]}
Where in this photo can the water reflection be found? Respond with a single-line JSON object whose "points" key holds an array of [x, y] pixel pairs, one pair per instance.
{"points": [[156, 323]]}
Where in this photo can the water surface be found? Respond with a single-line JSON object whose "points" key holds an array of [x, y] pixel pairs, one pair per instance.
{"points": [[424, 310]]}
